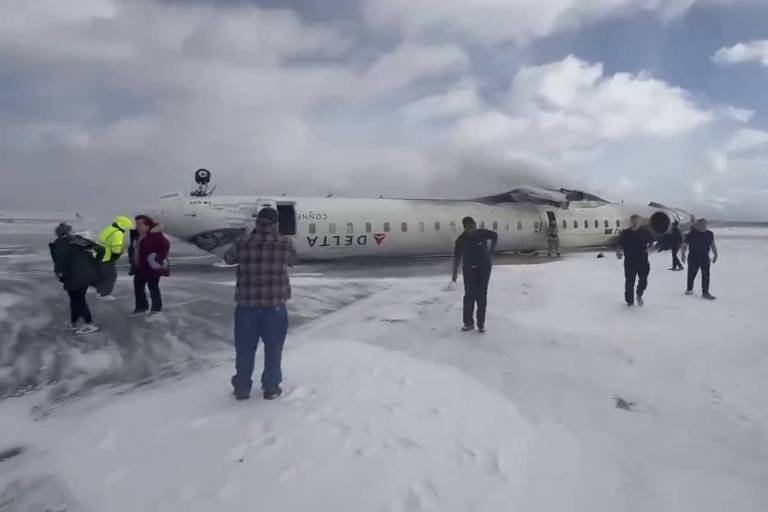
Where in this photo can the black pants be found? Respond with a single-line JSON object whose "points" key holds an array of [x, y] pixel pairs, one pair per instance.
{"points": [[693, 269], [675, 260], [635, 270], [139, 289], [78, 306], [476, 291], [108, 270]]}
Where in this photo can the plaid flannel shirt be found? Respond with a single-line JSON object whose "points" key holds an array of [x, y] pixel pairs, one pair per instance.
{"points": [[262, 274]]}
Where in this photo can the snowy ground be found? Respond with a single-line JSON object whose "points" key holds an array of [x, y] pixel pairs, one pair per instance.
{"points": [[570, 402]]}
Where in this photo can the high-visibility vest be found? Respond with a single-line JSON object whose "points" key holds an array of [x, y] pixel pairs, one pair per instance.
{"points": [[112, 238]]}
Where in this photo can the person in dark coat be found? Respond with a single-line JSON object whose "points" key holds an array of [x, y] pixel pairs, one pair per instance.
{"points": [[634, 245], [699, 243], [75, 265], [675, 240], [473, 250], [148, 252]]}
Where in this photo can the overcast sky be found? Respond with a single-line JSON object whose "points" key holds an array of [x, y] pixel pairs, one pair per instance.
{"points": [[112, 102]]}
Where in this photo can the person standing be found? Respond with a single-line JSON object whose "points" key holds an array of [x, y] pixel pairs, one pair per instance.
{"points": [[472, 249], [263, 288], [553, 239], [75, 266], [634, 245], [698, 244], [148, 252], [112, 239], [675, 241]]}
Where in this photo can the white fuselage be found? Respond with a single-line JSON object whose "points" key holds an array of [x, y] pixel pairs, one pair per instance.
{"points": [[331, 228]]}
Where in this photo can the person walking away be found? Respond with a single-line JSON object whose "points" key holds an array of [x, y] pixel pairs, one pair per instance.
{"points": [[698, 244], [675, 241], [112, 239], [148, 252], [472, 249], [263, 288], [634, 245], [76, 266], [553, 239]]}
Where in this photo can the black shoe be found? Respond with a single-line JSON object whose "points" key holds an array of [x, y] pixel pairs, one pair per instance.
{"points": [[630, 304], [481, 330], [273, 393], [708, 296], [467, 328], [640, 301], [240, 395], [138, 312]]}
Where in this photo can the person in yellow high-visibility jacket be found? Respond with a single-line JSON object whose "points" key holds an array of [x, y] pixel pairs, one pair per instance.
{"points": [[112, 239]]}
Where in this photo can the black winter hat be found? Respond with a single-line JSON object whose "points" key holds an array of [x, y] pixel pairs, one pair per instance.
{"points": [[63, 229]]}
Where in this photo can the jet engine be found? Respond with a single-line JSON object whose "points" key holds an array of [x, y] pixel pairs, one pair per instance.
{"points": [[662, 219]]}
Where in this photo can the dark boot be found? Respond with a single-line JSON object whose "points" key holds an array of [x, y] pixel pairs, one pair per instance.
{"points": [[272, 393], [240, 394]]}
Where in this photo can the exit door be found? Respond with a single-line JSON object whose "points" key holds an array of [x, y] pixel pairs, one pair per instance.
{"points": [[286, 218]]}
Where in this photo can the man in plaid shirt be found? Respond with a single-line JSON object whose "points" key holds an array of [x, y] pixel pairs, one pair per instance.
{"points": [[262, 290]]}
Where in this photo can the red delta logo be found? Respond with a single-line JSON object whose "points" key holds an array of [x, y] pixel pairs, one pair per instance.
{"points": [[379, 237]]}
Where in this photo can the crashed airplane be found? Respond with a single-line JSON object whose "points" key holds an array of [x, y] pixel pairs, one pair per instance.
{"points": [[331, 228]]}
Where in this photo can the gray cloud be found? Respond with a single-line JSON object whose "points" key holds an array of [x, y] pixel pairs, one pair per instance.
{"points": [[108, 103]]}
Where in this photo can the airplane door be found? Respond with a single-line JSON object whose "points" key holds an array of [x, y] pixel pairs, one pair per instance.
{"points": [[286, 218]]}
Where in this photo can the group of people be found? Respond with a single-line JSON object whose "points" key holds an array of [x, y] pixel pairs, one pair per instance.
{"points": [[263, 286], [474, 247], [80, 263], [636, 242]]}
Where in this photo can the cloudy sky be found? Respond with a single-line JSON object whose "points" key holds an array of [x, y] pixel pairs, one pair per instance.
{"points": [[111, 102]]}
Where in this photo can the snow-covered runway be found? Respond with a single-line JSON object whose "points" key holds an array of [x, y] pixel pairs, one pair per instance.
{"points": [[570, 402]]}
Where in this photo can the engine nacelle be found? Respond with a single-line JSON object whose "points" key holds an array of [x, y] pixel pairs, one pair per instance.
{"points": [[661, 220], [660, 223]]}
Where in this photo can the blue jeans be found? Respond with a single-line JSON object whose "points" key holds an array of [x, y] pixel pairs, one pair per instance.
{"points": [[270, 324]]}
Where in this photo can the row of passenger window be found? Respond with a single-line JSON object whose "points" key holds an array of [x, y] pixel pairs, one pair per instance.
{"points": [[452, 226], [606, 224]]}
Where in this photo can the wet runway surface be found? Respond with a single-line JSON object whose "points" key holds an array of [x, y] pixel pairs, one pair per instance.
{"points": [[195, 329]]}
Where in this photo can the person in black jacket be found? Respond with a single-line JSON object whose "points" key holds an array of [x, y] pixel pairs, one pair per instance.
{"points": [[75, 265], [472, 248], [675, 241], [700, 242], [634, 245]]}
